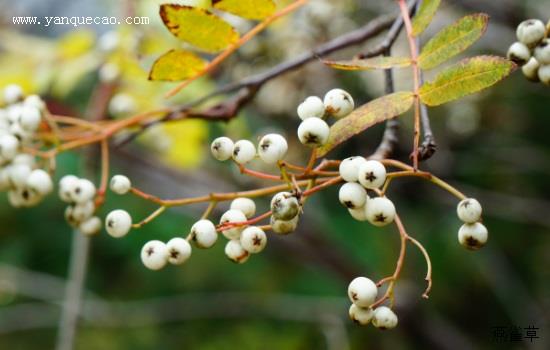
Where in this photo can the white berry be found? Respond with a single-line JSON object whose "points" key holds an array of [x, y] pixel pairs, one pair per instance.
{"points": [[352, 195], [284, 206], [473, 236], [67, 184], [118, 223], [372, 174], [349, 168], [531, 69], [358, 214], [154, 255], [12, 93], [235, 251], [284, 227], [40, 181], [542, 52], [531, 32], [544, 74], [179, 250], [338, 103], [243, 151], [362, 292], [253, 239], [246, 205], [222, 148], [83, 191], [35, 101], [272, 148], [91, 226], [469, 210], [19, 174], [79, 212], [312, 107], [380, 211], [30, 118], [360, 315], [204, 234], [313, 132], [519, 53], [120, 184], [9, 146], [232, 216], [384, 318]]}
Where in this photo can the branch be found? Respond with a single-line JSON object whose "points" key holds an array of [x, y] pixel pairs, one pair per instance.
{"points": [[428, 146]]}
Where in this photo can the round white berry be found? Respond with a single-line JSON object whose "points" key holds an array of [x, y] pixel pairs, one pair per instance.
{"points": [[12, 93], [118, 223], [91, 226], [243, 151], [362, 292], [372, 174], [312, 107], [108, 73], [154, 255], [473, 236], [27, 197], [338, 103], [21, 134], [469, 210], [30, 118], [542, 52], [313, 132], [15, 198], [24, 158], [253, 239], [531, 69], [67, 184], [122, 104], [79, 212], [232, 216], [204, 234], [531, 32], [352, 195], [179, 250], [284, 206], [235, 251], [109, 41], [384, 318], [358, 214], [40, 181], [9, 146], [35, 101], [272, 148], [84, 191], [360, 315], [349, 168], [519, 53], [544, 74], [246, 205], [120, 184], [380, 211], [284, 227], [19, 174], [222, 148]]}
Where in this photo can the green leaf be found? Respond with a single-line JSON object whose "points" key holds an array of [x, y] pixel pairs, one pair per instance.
{"points": [[376, 111], [251, 9], [176, 65], [424, 16], [464, 78], [198, 27], [452, 40], [381, 62]]}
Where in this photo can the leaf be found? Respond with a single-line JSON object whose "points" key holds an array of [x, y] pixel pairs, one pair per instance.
{"points": [[464, 78], [198, 27], [424, 16], [376, 111], [176, 65], [452, 40], [251, 9], [381, 62]]}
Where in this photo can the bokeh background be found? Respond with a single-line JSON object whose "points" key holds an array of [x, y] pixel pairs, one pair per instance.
{"points": [[494, 146]]}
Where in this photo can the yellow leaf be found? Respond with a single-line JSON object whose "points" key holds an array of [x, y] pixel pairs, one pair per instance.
{"points": [[198, 27], [424, 16], [251, 9], [381, 62], [176, 65]]}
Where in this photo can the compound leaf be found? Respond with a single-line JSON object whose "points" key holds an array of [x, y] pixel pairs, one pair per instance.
{"points": [[176, 65], [466, 77], [251, 9], [376, 111], [452, 40], [424, 17], [381, 62], [198, 27]]}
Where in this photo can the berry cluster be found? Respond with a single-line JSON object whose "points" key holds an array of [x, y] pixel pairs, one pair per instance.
{"points": [[473, 234], [362, 292], [79, 194], [25, 183], [532, 50]]}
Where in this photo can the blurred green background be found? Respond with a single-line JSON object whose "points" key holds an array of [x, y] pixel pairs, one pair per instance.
{"points": [[493, 146]]}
